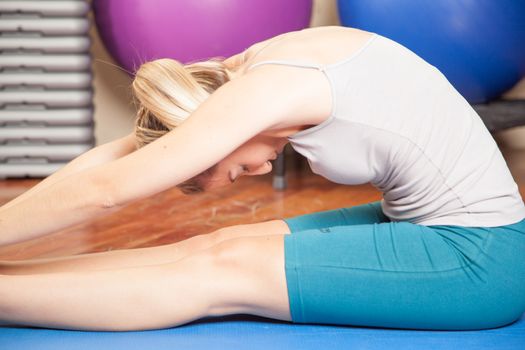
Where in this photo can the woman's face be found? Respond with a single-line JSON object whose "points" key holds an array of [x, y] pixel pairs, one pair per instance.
{"points": [[252, 158]]}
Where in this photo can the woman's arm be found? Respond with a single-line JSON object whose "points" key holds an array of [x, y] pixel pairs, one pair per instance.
{"points": [[232, 115], [14, 214], [95, 156]]}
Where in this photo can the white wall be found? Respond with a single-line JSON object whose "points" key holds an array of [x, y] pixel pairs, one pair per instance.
{"points": [[114, 112]]}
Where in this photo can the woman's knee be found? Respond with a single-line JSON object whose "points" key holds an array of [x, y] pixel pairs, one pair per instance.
{"points": [[248, 267], [231, 250]]}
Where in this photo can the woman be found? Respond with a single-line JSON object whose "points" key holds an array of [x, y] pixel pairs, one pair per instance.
{"points": [[442, 250]]}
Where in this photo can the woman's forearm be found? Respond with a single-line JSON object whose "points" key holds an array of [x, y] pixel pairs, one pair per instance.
{"points": [[95, 156], [59, 205], [69, 169]]}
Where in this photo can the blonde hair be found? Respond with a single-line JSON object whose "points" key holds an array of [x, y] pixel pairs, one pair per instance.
{"points": [[166, 92]]}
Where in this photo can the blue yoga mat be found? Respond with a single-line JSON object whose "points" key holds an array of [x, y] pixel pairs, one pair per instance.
{"points": [[250, 332]]}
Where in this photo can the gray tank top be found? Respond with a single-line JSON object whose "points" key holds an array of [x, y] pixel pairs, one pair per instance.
{"points": [[398, 123]]}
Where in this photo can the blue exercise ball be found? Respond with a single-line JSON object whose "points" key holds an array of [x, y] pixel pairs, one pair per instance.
{"points": [[479, 45]]}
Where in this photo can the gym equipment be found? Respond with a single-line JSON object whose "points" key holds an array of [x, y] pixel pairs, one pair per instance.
{"points": [[46, 113], [255, 333], [135, 31], [477, 45]]}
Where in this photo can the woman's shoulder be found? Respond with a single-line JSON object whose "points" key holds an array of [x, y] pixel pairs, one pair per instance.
{"points": [[308, 33], [320, 45]]}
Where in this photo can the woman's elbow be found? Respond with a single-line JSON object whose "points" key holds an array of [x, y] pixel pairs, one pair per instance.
{"points": [[103, 191]]}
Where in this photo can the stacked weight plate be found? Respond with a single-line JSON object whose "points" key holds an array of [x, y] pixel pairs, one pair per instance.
{"points": [[46, 112]]}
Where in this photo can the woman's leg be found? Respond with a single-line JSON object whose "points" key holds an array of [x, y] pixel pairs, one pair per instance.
{"points": [[403, 275], [361, 214], [369, 213], [141, 256], [241, 275]]}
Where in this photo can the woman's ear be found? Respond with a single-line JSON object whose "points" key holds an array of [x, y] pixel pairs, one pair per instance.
{"points": [[265, 168]]}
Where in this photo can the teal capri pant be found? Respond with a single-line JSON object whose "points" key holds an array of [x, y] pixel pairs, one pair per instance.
{"points": [[353, 266]]}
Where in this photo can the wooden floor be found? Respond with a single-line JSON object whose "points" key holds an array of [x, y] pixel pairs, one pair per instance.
{"points": [[170, 216]]}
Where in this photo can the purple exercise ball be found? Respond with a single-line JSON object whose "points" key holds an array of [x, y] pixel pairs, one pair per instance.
{"points": [[136, 31]]}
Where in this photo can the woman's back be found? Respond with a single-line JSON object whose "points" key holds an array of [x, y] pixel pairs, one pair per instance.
{"points": [[395, 121]]}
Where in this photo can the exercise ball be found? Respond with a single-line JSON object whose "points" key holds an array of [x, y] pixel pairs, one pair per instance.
{"points": [[479, 45], [135, 31]]}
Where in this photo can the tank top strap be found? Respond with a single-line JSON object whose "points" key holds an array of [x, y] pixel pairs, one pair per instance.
{"points": [[287, 63]]}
